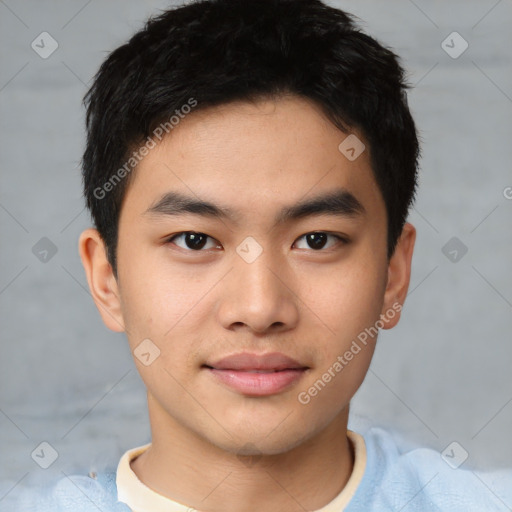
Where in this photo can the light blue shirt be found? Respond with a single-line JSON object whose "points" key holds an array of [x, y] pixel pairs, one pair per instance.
{"points": [[394, 481]]}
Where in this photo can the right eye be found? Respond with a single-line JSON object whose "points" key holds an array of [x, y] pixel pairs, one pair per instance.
{"points": [[193, 240]]}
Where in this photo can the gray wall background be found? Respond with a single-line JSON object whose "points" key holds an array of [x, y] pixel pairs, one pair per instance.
{"points": [[443, 375]]}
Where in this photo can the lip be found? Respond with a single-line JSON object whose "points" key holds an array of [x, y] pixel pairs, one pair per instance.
{"points": [[257, 374], [246, 361]]}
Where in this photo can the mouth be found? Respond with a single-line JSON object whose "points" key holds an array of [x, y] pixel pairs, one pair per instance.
{"points": [[257, 375]]}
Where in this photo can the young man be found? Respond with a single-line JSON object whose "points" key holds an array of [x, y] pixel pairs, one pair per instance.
{"points": [[249, 169]]}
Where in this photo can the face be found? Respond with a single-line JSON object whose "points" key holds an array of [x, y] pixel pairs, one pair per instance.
{"points": [[251, 257]]}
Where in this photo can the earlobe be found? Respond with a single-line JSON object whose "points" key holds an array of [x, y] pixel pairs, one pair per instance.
{"points": [[101, 279], [399, 274]]}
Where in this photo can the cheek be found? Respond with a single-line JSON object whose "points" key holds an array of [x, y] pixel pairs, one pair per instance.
{"points": [[345, 299], [169, 306], [348, 301], [349, 306], [155, 299]]}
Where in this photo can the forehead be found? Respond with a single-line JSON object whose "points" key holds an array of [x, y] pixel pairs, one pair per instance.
{"points": [[255, 157]]}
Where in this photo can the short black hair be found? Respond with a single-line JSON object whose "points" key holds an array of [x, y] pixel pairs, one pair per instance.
{"points": [[212, 52]]}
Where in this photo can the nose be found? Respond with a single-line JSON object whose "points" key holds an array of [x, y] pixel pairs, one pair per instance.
{"points": [[259, 297]]}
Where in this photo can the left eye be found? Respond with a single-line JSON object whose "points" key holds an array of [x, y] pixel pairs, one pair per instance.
{"points": [[318, 240]]}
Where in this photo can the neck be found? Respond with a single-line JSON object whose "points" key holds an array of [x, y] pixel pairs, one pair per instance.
{"points": [[190, 470]]}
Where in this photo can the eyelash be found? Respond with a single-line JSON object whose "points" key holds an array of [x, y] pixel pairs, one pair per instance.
{"points": [[344, 240]]}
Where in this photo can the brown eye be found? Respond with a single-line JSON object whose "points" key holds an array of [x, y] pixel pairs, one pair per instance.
{"points": [[319, 239], [193, 241]]}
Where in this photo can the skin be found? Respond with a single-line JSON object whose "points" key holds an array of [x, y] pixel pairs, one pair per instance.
{"points": [[254, 158]]}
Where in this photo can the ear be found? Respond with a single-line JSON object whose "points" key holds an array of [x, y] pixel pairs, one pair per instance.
{"points": [[399, 274], [101, 279]]}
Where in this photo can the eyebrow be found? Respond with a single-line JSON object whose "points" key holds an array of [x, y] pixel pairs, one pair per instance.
{"points": [[340, 202]]}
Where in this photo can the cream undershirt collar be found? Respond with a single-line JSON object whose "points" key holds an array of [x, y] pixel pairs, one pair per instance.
{"points": [[140, 498]]}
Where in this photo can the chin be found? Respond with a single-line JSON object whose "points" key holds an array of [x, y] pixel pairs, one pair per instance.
{"points": [[263, 442]]}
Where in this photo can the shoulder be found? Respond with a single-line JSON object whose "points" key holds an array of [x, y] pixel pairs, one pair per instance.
{"points": [[421, 479], [76, 493]]}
